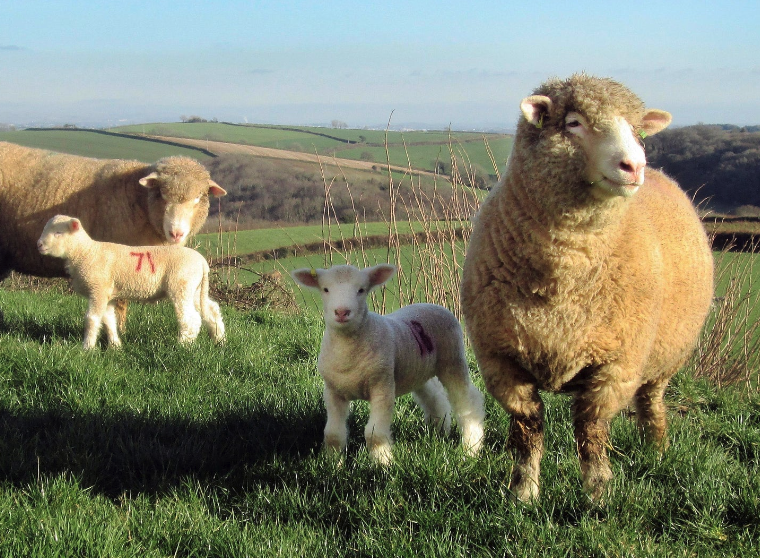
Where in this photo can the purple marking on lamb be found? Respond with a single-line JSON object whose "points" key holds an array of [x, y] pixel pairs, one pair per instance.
{"points": [[424, 342]]}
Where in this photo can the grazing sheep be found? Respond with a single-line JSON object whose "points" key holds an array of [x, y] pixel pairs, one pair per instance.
{"points": [[586, 273], [127, 202], [104, 272], [416, 349]]}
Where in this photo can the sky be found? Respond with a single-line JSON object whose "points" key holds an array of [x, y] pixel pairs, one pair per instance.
{"points": [[417, 64]]}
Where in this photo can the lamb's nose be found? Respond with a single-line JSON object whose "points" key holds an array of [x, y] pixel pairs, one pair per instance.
{"points": [[342, 313]]}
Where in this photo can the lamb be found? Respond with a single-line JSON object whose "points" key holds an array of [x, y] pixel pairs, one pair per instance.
{"points": [[104, 272], [417, 349], [126, 202], [586, 273]]}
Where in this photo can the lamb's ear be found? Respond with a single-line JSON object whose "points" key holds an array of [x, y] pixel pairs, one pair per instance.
{"points": [[379, 274], [535, 108], [75, 224], [149, 181], [308, 277], [655, 121], [215, 190]]}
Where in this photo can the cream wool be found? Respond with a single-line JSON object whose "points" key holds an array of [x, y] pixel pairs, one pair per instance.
{"points": [[127, 202], [104, 272], [417, 349], [585, 273]]}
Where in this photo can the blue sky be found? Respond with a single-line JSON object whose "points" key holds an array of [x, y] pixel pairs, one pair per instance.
{"points": [[467, 64]]}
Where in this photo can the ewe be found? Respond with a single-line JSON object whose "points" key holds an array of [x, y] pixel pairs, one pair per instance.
{"points": [[416, 349], [104, 272], [127, 202], [586, 273]]}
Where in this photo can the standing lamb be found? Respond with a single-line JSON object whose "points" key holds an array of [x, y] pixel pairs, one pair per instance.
{"points": [[586, 273], [416, 349], [127, 202], [104, 272]]}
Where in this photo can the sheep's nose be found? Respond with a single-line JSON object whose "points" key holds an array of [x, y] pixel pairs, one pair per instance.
{"points": [[634, 170], [177, 236], [342, 314]]}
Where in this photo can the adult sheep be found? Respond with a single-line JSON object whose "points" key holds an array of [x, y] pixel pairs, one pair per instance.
{"points": [[126, 202], [586, 273]]}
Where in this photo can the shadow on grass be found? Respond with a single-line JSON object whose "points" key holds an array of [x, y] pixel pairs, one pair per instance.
{"points": [[117, 453], [32, 329]]}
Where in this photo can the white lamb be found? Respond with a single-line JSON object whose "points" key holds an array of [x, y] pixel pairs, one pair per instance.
{"points": [[416, 349], [104, 272]]}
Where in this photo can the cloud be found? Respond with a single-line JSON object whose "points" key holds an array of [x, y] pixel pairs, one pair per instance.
{"points": [[11, 47]]}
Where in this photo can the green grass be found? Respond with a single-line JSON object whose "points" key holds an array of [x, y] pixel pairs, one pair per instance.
{"points": [[162, 450], [92, 144], [422, 149]]}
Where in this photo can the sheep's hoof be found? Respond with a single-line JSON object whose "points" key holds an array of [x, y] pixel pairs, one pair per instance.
{"points": [[596, 483], [524, 488]]}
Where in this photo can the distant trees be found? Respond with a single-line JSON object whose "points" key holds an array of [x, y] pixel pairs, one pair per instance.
{"points": [[338, 124], [721, 163], [195, 119]]}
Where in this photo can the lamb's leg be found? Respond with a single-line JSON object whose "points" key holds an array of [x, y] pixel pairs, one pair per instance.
{"points": [[336, 430], [377, 433], [593, 408], [467, 402], [188, 318], [109, 320], [431, 397], [517, 393], [93, 319], [650, 411]]}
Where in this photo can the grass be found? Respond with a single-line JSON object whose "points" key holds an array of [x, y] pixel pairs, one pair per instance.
{"points": [[421, 149], [162, 450], [93, 144]]}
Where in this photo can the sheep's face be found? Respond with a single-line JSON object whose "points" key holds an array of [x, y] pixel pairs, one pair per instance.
{"points": [[344, 290], [59, 234], [600, 125], [178, 202]]}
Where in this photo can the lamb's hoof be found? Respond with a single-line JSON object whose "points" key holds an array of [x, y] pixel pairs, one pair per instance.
{"points": [[596, 484], [473, 441], [334, 456], [382, 454], [524, 489]]}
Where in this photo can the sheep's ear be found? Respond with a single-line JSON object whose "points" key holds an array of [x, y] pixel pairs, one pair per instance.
{"points": [[379, 274], [308, 277], [655, 121], [149, 181], [74, 225], [215, 190], [535, 109]]}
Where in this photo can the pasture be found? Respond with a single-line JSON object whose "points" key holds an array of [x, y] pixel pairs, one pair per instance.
{"points": [[418, 149], [102, 146], [164, 450]]}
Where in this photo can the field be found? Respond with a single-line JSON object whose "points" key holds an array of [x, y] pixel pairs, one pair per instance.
{"points": [[93, 144], [422, 149], [158, 450]]}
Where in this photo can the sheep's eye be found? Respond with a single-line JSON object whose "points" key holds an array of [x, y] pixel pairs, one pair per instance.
{"points": [[326, 290], [361, 291], [572, 124]]}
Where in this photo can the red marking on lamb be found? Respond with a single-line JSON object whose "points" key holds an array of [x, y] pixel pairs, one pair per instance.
{"points": [[424, 342], [140, 256]]}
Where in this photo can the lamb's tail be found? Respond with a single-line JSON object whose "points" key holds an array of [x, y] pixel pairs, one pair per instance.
{"points": [[210, 312]]}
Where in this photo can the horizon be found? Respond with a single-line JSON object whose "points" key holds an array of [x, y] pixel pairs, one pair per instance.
{"points": [[420, 65]]}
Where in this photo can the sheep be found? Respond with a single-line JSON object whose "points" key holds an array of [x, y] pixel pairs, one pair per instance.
{"points": [[418, 349], [104, 272], [586, 273], [127, 202]]}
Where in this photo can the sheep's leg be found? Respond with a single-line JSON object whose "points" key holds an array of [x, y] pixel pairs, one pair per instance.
{"points": [[467, 402], [517, 393], [650, 411], [593, 408], [431, 397], [93, 319], [377, 433], [121, 314], [109, 320], [336, 430]]}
